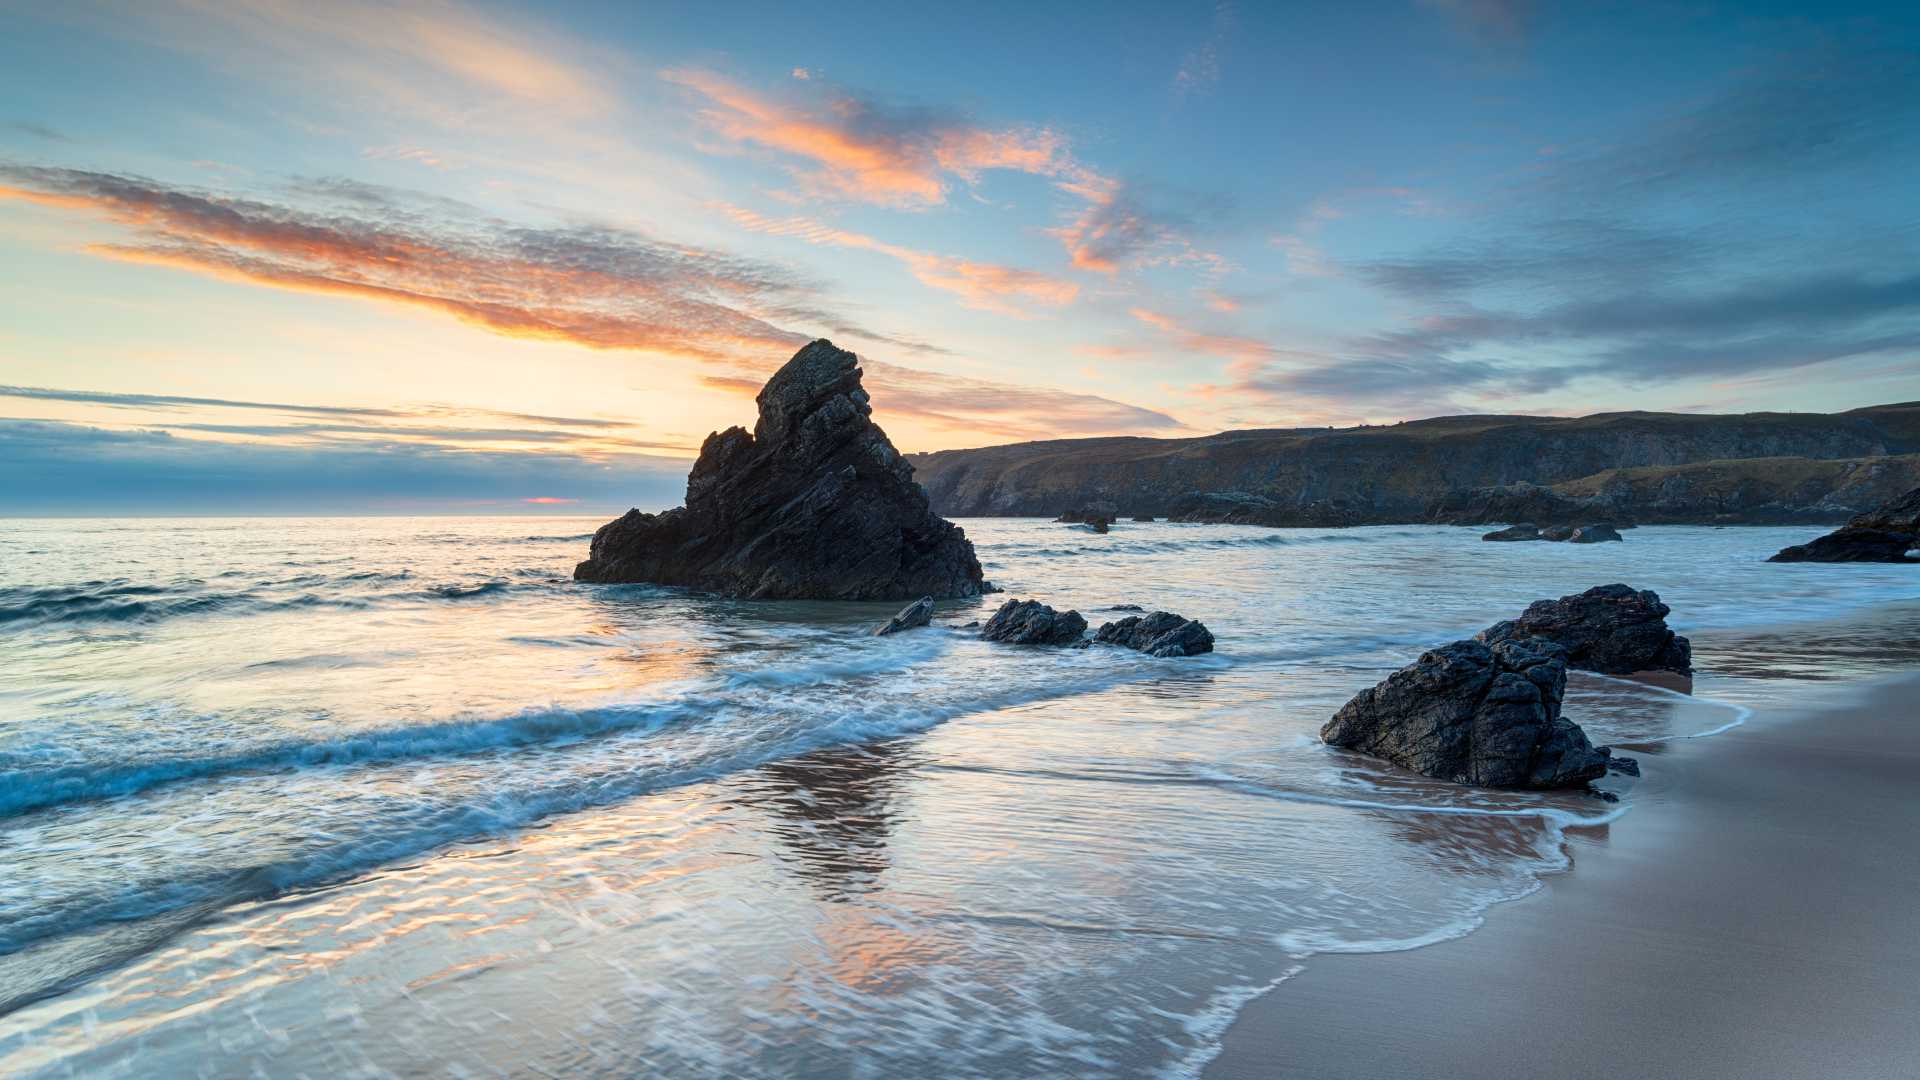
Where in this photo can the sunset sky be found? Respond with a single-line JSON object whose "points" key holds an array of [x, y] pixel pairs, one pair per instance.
{"points": [[267, 254]]}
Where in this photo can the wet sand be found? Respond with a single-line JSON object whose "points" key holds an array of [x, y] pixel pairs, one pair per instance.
{"points": [[1757, 914]]}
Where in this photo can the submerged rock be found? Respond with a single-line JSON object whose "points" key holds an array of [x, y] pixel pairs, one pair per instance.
{"points": [[918, 613], [814, 503], [1612, 629], [1625, 766], [1476, 714], [1515, 532], [1161, 633], [1889, 534], [1030, 622], [1557, 533], [1593, 534]]}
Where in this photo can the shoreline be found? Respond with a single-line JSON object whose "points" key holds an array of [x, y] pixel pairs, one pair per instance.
{"points": [[1755, 918]]}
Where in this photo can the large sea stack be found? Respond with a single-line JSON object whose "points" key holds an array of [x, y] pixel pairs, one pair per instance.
{"points": [[1883, 535], [814, 503]]}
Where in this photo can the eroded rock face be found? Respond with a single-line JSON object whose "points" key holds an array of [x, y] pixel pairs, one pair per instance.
{"points": [[1475, 714], [1612, 629], [1515, 532], [1161, 633], [1030, 622], [814, 503], [918, 613], [1884, 535]]}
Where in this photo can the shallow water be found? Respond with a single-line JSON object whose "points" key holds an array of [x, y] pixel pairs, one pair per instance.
{"points": [[380, 796]]}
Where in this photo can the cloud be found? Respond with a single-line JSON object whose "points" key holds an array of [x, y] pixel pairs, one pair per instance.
{"points": [[62, 468], [984, 285], [957, 403], [1224, 346], [1793, 122], [38, 131], [442, 59], [1123, 226], [595, 286], [1497, 22], [857, 148], [1199, 69]]}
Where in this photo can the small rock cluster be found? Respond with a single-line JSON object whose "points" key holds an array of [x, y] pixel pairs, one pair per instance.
{"points": [[1889, 534]]}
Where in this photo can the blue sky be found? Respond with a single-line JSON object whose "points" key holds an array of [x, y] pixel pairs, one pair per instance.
{"points": [[462, 256]]}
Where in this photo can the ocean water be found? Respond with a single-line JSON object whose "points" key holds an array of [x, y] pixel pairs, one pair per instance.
{"points": [[374, 797]]}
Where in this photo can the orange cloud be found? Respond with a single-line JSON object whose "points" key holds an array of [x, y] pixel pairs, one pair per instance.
{"points": [[1241, 350], [859, 150], [978, 284], [599, 288]]}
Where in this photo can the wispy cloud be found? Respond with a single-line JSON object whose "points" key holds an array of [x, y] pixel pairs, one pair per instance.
{"points": [[984, 285], [60, 467], [852, 147], [1223, 346], [1199, 69], [600, 287], [961, 404]]}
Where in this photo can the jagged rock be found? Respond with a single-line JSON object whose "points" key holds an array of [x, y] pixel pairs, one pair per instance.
{"points": [[1593, 534], [1557, 533], [1475, 714], [814, 503], [1612, 629], [1161, 633], [918, 613], [1888, 534], [1030, 622], [1515, 532]]}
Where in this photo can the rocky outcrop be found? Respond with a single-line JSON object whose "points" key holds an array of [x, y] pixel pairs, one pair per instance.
{"points": [[918, 613], [1515, 532], [1593, 534], [1611, 629], [1242, 508], [1161, 633], [1557, 533], [1091, 513], [1474, 713], [1624, 468], [1030, 622], [1888, 534], [814, 503]]}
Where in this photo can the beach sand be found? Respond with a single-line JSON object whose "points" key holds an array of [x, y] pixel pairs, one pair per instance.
{"points": [[1757, 914]]}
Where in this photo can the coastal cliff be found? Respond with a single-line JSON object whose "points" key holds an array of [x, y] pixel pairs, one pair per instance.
{"points": [[1682, 467]]}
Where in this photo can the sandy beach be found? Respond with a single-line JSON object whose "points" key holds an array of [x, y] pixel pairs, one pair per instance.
{"points": [[1753, 916]]}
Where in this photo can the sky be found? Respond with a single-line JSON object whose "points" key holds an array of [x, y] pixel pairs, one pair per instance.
{"points": [[274, 256]]}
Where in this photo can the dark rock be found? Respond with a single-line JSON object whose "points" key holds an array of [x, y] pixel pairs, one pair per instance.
{"points": [[1475, 714], [918, 613], [815, 503], [1243, 508], [1099, 525], [1611, 629], [1515, 532], [1557, 533], [1888, 534], [1626, 766], [1126, 607], [1160, 634], [1030, 622], [1593, 534], [1089, 513]]}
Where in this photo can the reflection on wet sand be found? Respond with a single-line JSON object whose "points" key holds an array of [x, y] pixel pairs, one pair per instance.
{"points": [[833, 811]]}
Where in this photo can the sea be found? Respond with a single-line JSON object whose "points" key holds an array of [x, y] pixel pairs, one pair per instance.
{"points": [[374, 797]]}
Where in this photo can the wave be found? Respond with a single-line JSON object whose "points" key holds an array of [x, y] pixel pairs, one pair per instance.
{"points": [[122, 601], [503, 810], [1123, 546]]}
